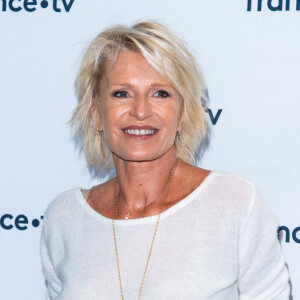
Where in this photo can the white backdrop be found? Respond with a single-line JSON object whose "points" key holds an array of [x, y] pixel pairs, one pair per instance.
{"points": [[251, 63]]}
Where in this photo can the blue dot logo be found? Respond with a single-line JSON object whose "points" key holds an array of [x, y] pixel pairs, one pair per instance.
{"points": [[44, 4], [35, 223]]}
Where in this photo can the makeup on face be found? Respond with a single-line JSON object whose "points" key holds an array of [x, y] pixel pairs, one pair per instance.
{"points": [[138, 108]]}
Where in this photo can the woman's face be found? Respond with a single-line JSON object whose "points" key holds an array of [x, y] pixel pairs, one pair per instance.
{"points": [[138, 110]]}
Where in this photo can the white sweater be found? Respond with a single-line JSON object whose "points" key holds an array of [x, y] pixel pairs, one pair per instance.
{"points": [[218, 243]]}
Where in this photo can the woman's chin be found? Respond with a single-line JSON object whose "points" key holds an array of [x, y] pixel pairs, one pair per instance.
{"points": [[137, 157], [150, 155]]}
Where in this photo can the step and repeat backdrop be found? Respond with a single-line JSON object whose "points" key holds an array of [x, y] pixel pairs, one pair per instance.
{"points": [[249, 53]]}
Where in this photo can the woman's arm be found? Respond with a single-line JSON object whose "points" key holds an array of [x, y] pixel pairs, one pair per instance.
{"points": [[262, 270], [52, 281]]}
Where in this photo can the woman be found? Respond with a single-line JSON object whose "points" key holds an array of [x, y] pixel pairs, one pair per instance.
{"points": [[162, 228]]}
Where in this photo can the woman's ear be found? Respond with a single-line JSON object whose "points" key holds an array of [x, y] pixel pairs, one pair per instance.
{"points": [[180, 122], [180, 125], [95, 115]]}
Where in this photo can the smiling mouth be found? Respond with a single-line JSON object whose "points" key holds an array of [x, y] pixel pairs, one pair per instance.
{"points": [[140, 131]]}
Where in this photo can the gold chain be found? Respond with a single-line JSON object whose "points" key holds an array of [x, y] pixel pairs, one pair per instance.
{"points": [[157, 222]]}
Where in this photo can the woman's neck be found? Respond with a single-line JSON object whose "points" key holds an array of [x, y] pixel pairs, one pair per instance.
{"points": [[141, 185]]}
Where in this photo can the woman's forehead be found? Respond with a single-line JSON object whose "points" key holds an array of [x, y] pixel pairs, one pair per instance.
{"points": [[132, 68]]}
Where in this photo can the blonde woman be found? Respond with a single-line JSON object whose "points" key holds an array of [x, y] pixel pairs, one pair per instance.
{"points": [[162, 228]]}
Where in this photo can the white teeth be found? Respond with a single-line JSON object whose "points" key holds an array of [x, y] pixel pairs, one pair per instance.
{"points": [[141, 131]]}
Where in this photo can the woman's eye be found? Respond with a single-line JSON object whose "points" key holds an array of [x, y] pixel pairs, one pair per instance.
{"points": [[161, 94], [121, 94]]}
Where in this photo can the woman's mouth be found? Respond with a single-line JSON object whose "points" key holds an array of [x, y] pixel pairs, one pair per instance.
{"points": [[140, 131]]}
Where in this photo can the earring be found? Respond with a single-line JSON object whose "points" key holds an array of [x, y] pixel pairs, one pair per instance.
{"points": [[100, 133]]}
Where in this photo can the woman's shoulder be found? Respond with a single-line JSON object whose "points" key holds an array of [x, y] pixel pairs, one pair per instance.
{"points": [[236, 192], [233, 186], [224, 189], [60, 204], [228, 179], [239, 197], [219, 183], [223, 178]]}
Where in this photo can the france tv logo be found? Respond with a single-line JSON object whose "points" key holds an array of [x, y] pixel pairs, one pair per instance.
{"points": [[32, 5], [274, 5]]}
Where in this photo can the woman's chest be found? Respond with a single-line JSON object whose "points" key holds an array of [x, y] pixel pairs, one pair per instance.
{"points": [[186, 262]]}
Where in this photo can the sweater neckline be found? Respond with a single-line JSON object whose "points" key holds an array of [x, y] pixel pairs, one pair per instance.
{"points": [[171, 210]]}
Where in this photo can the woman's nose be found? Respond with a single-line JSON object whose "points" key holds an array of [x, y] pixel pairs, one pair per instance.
{"points": [[141, 108]]}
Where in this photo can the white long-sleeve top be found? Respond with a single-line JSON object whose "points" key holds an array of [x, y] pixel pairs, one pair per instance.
{"points": [[218, 243]]}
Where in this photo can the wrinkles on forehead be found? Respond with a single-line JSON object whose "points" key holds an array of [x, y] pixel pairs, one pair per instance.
{"points": [[134, 71], [113, 56]]}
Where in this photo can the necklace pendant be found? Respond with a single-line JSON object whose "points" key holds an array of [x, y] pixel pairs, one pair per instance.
{"points": [[127, 216]]}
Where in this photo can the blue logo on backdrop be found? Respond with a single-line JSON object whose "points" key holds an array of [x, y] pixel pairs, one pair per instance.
{"points": [[214, 118], [287, 231], [19, 222], [31, 5], [274, 5]]}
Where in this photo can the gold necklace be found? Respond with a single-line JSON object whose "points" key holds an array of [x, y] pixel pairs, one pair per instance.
{"points": [[157, 222]]}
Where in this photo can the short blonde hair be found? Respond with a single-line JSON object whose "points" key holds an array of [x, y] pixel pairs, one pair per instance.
{"points": [[168, 56]]}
